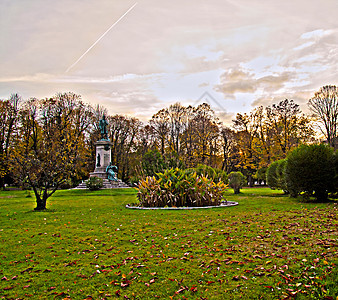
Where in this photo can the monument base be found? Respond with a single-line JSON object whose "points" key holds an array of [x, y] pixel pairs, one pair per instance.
{"points": [[119, 184], [103, 160]]}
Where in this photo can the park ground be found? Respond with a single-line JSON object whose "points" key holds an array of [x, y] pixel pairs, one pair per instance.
{"points": [[87, 245]]}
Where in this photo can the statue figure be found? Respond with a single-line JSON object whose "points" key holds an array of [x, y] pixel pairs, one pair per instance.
{"points": [[112, 172], [98, 164], [103, 128]]}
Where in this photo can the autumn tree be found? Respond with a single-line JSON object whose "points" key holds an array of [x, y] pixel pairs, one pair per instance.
{"points": [[247, 128], [189, 134], [324, 105], [206, 130], [124, 132], [229, 149], [177, 119], [8, 120], [161, 126], [50, 145], [288, 127]]}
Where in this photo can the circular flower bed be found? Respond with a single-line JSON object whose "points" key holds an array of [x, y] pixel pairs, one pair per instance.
{"points": [[176, 188], [225, 204]]}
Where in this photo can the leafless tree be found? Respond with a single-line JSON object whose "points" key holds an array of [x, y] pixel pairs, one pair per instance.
{"points": [[324, 105]]}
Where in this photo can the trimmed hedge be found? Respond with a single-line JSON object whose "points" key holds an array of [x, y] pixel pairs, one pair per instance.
{"points": [[311, 169]]}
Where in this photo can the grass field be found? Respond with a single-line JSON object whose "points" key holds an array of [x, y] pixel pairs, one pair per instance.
{"points": [[89, 246]]}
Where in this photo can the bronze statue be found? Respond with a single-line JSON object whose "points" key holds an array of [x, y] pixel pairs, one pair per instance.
{"points": [[112, 172], [103, 128]]}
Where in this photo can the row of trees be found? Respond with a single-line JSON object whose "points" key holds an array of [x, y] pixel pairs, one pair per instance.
{"points": [[47, 142]]}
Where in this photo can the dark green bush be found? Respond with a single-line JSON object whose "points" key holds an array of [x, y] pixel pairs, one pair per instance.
{"points": [[310, 169], [179, 188], [153, 162], [334, 191], [236, 180], [94, 183], [271, 175], [280, 171], [275, 175]]}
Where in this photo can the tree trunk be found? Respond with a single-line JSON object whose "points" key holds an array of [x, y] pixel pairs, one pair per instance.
{"points": [[251, 182], [40, 202], [236, 190], [2, 183]]}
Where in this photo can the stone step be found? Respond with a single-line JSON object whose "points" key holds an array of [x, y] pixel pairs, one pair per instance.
{"points": [[106, 184]]}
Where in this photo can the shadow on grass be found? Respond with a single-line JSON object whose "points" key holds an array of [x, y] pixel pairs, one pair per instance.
{"points": [[47, 210]]}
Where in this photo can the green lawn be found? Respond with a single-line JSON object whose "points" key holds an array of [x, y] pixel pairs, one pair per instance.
{"points": [[89, 246]]}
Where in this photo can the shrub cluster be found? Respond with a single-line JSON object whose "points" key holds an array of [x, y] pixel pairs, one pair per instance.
{"points": [[180, 188], [94, 183], [310, 170]]}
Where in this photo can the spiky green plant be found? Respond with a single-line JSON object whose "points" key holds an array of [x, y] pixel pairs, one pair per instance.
{"points": [[179, 188]]}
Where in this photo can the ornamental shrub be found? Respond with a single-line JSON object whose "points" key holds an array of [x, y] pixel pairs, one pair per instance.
{"points": [[179, 188], [94, 183], [236, 180], [310, 169], [275, 175], [271, 176]]}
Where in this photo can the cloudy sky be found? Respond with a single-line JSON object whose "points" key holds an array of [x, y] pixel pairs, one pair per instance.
{"points": [[147, 54]]}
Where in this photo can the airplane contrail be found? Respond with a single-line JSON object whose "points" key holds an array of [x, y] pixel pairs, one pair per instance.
{"points": [[101, 37]]}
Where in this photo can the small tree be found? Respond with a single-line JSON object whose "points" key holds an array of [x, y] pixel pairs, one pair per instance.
{"points": [[310, 168], [271, 175], [50, 144], [236, 181]]}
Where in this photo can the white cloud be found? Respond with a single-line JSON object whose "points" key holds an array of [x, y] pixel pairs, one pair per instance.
{"points": [[315, 34], [165, 51]]}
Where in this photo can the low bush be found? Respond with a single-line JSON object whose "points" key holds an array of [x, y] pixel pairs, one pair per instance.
{"points": [[236, 181], [179, 188], [311, 169], [94, 183]]}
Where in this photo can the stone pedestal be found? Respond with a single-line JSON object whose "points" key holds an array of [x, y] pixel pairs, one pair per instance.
{"points": [[103, 158]]}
